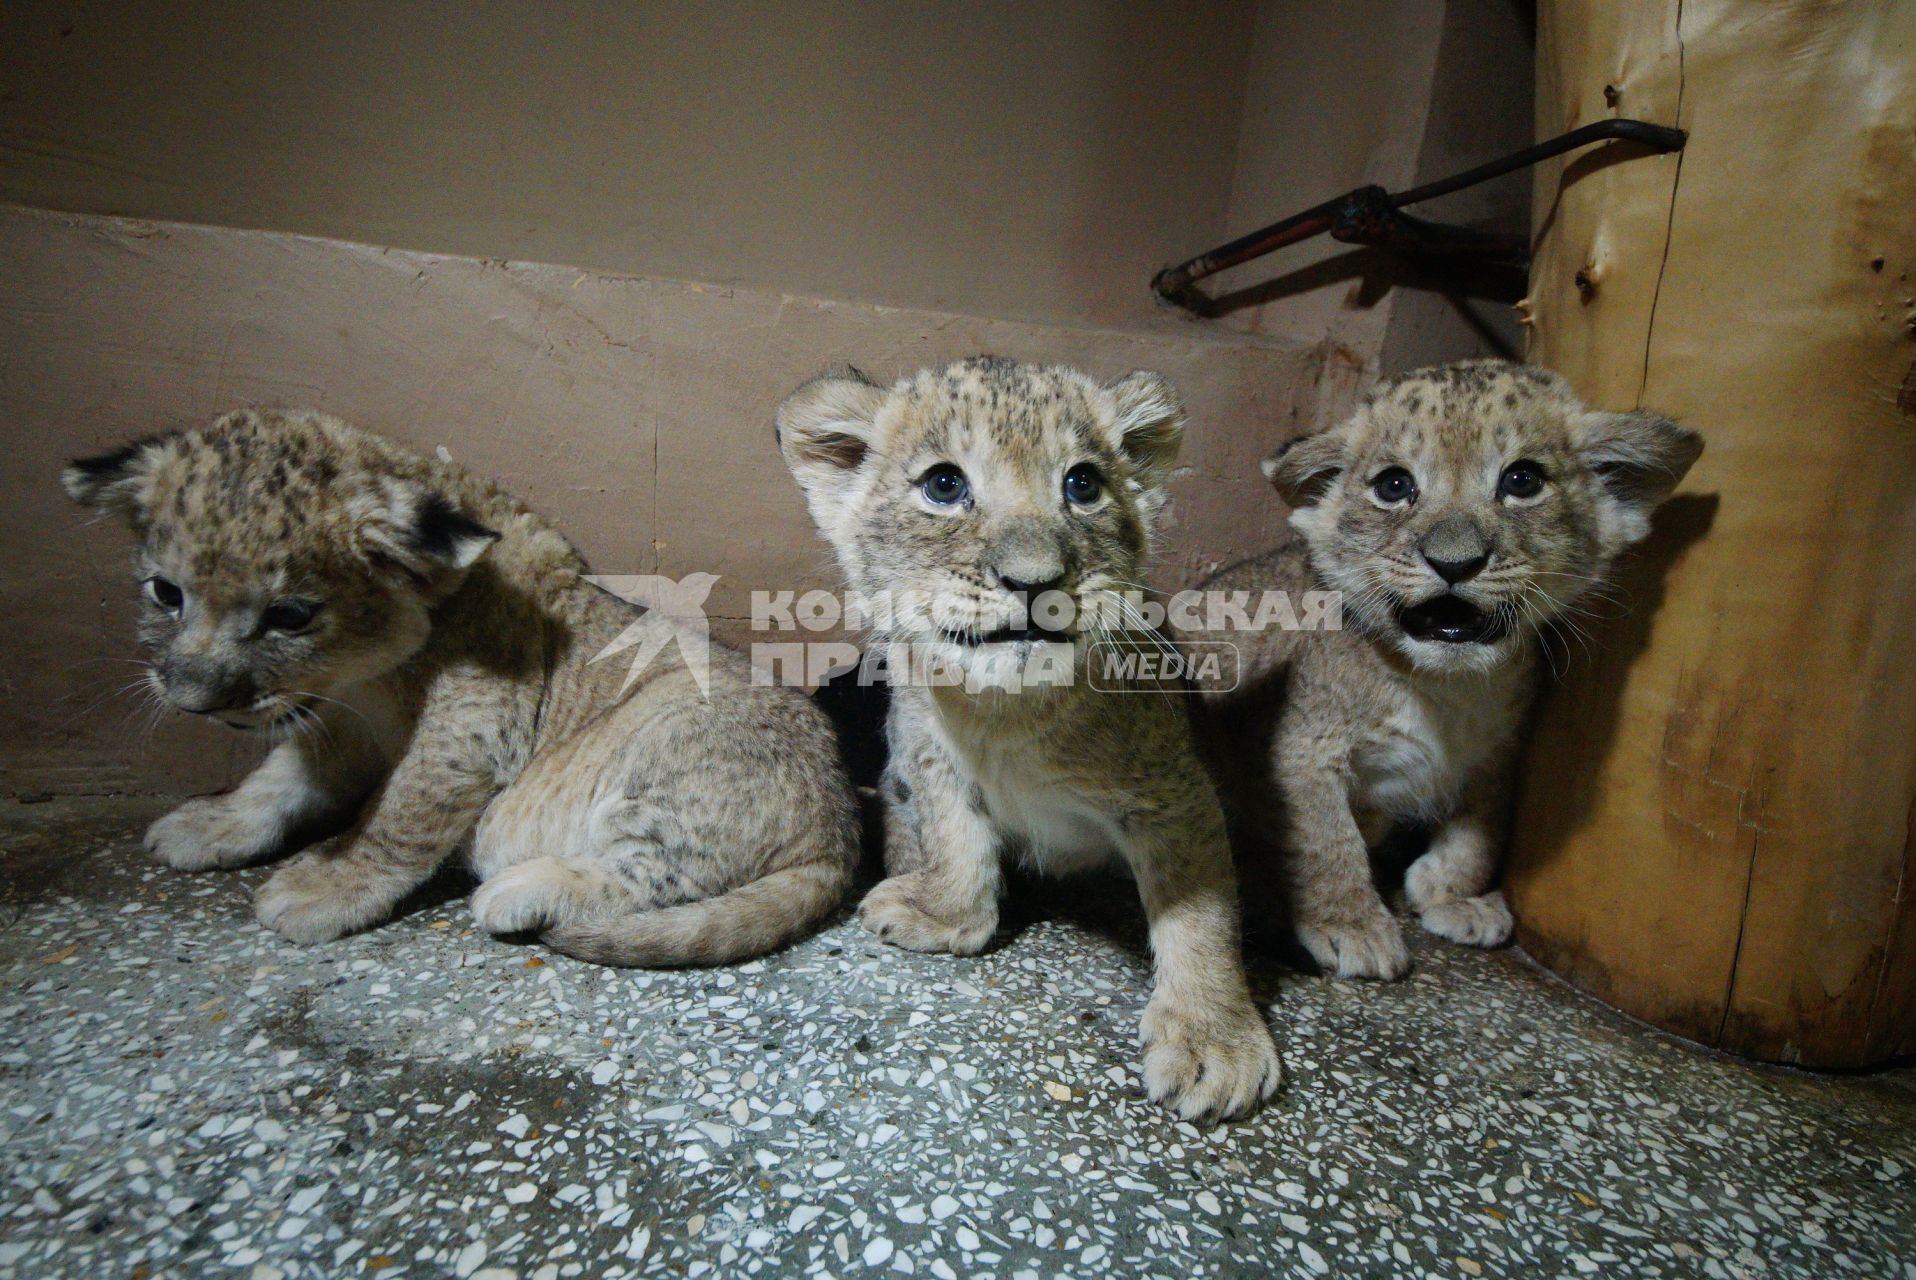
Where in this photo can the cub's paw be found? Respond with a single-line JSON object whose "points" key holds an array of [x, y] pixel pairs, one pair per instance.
{"points": [[530, 896], [1365, 943], [315, 899], [1476, 922], [892, 910], [1214, 1064], [209, 832]]}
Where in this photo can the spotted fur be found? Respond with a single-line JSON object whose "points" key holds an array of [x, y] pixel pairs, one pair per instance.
{"points": [[438, 694], [1065, 777], [1334, 736]]}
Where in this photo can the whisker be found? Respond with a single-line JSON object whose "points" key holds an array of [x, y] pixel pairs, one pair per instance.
{"points": [[320, 697], [129, 687]]}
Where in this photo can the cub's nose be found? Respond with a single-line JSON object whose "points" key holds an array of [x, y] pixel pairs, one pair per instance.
{"points": [[1456, 571], [1027, 559], [1036, 584], [202, 701], [1455, 549], [1029, 579], [207, 692]]}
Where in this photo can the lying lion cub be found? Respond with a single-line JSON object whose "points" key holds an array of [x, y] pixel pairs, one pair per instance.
{"points": [[975, 496], [1459, 510], [419, 647]]}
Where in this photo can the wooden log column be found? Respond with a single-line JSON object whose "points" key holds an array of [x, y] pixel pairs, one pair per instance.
{"points": [[1714, 828]]}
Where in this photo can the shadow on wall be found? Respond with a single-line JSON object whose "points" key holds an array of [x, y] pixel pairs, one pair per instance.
{"points": [[1377, 272], [1586, 732], [1583, 166]]}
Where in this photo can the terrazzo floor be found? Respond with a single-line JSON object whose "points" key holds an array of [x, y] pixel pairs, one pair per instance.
{"points": [[184, 1093]]}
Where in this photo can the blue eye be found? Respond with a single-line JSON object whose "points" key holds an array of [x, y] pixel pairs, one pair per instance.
{"points": [[944, 485], [1083, 485], [1394, 486]]}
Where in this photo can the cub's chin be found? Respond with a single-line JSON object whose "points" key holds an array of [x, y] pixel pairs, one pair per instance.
{"points": [[1448, 633]]}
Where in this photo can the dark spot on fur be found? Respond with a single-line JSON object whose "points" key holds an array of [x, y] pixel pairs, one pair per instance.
{"points": [[109, 466], [440, 526]]}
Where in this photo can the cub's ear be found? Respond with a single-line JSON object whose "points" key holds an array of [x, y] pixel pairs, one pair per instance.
{"points": [[827, 424], [443, 533], [1640, 457], [420, 530], [1305, 467], [1150, 424], [115, 482], [826, 431]]}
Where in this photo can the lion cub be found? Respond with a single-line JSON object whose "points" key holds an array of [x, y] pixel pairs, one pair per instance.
{"points": [[991, 502], [419, 648], [1459, 510]]}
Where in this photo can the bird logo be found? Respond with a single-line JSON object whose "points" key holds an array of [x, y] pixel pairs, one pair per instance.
{"points": [[675, 614]]}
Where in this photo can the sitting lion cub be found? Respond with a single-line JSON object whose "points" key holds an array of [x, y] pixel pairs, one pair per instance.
{"points": [[419, 647], [1459, 510], [1005, 497]]}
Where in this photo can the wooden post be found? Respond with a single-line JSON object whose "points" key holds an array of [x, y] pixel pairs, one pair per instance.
{"points": [[1715, 827]]}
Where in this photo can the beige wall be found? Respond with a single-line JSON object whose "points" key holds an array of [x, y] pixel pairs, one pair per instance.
{"points": [[993, 157], [997, 157], [1393, 92], [1332, 103], [887, 183]]}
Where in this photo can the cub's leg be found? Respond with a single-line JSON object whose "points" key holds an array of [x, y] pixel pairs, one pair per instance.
{"points": [[903, 852], [1207, 1050], [299, 789], [426, 808], [945, 872], [666, 835], [630, 904], [543, 892], [1339, 917], [1450, 884], [551, 849]]}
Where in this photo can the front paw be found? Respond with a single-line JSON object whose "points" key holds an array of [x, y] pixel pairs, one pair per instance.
{"points": [[208, 832], [898, 911], [1360, 942], [1213, 1064], [1483, 921], [317, 899]]}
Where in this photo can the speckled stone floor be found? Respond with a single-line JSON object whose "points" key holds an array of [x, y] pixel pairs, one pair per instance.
{"points": [[183, 1093]]}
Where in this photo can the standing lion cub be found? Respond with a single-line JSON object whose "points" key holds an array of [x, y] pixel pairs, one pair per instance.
{"points": [[992, 502], [419, 647], [1459, 510]]}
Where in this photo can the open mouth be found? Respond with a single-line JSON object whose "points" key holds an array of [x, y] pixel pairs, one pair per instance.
{"points": [[1028, 634], [1449, 619], [273, 715]]}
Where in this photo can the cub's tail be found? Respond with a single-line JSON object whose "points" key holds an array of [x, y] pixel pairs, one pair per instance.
{"points": [[764, 915]]}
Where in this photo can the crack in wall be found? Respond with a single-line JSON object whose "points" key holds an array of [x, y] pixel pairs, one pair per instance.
{"points": [[1669, 225]]}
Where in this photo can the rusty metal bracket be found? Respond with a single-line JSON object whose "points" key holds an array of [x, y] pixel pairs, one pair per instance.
{"points": [[1373, 216]]}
